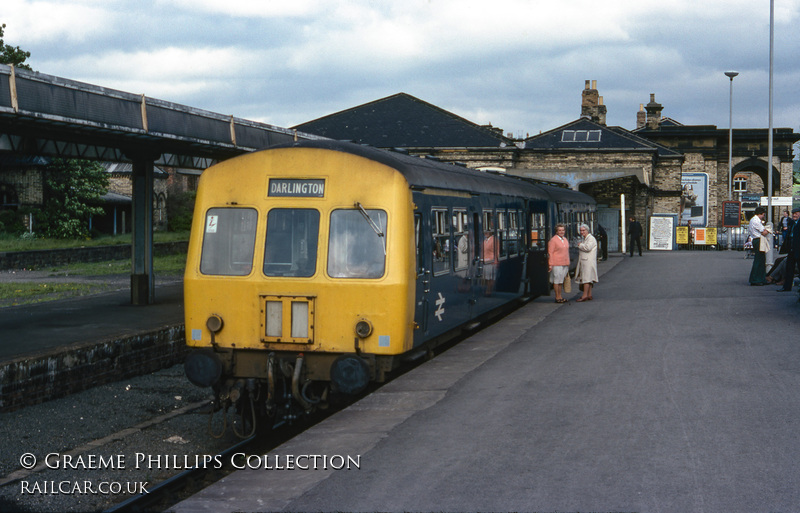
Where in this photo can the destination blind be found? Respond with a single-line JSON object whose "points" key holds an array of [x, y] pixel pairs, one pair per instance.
{"points": [[296, 188]]}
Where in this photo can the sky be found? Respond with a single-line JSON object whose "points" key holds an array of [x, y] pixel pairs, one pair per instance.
{"points": [[516, 64]]}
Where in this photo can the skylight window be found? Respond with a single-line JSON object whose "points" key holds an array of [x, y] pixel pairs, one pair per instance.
{"points": [[580, 136]]}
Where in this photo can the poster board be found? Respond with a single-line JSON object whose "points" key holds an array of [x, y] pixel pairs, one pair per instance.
{"points": [[682, 235], [662, 232], [731, 214], [694, 199]]}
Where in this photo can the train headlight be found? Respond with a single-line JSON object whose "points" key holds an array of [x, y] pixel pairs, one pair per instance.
{"points": [[214, 323], [363, 328]]}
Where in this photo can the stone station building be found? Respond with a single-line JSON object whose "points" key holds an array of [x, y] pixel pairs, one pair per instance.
{"points": [[652, 165]]}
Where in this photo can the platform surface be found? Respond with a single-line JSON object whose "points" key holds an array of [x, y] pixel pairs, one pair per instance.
{"points": [[675, 389], [51, 326]]}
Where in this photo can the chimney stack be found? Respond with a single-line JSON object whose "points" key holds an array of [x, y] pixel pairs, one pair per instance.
{"points": [[641, 117], [592, 103], [653, 113]]}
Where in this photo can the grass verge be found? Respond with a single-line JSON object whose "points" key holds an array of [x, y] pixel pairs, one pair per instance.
{"points": [[13, 294], [163, 265], [22, 293], [13, 243]]}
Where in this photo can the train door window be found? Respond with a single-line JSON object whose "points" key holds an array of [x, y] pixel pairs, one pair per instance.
{"points": [[490, 245], [572, 228], [229, 241], [417, 230], [514, 233], [538, 231], [291, 245], [357, 243], [502, 232], [461, 240], [440, 226]]}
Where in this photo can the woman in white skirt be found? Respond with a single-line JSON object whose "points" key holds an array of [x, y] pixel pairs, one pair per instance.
{"points": [[558, 261], [586, 271]]}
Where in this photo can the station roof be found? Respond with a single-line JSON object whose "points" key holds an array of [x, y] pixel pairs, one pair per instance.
{"points": [[403, 121], [53, 116], [585, 135]]}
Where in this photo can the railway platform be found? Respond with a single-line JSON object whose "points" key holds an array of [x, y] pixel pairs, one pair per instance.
{"points": [[50, 349], [675, 389]]}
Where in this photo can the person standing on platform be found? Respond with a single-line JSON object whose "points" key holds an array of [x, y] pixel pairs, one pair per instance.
{"points": [[558, 260], [758, 273], [635, 231], [792, 244], [586, 271], [602, 239], [490, 257], [785, 224]]}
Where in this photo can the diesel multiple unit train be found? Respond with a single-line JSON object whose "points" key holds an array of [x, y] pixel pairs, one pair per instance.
{"points": [[317, 267]]}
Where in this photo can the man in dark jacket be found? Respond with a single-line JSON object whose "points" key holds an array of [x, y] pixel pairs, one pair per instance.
{"points": [[635, 231], [602, 238], [792, 244]]}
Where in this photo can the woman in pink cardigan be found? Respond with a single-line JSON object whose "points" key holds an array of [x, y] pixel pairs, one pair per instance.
{"points": [[558, 262]]}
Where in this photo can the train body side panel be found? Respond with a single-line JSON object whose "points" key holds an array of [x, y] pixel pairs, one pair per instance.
{"points": [[457, 281]]}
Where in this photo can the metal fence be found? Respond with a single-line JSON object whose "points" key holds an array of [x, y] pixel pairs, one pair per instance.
{"points": [[739, 240]]}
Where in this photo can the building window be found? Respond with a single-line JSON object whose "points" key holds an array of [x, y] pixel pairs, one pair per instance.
{"points": [[740, 184], [580, 136]]}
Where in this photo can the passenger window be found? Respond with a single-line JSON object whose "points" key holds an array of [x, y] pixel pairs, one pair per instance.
{"points": [[440, 226], [461, 241], [291, 245], [538, 232], [229, 241], [502, 232], [357, 244]]}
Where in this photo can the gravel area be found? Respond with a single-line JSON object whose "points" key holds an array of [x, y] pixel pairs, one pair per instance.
{"points": [[108, 441]]}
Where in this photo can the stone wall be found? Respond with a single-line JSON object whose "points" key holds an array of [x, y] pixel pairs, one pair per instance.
{"points": [[27, 185], [30, 380], [53, 257]]}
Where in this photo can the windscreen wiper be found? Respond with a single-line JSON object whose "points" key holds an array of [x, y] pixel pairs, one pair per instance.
{"points": [[372, 223]]}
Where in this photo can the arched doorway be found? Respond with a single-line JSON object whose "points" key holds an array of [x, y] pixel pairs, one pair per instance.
{"points": [[759, 168]]}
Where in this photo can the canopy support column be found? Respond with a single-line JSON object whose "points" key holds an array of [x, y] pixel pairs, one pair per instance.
{"points": [[142, 278]]}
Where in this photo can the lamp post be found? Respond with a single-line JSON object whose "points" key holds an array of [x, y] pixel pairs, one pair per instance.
{"points": [[730, 75]]}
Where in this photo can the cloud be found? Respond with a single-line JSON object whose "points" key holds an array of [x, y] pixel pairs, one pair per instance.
{"points": [[519, 64], [42, 21], [245, 8]]}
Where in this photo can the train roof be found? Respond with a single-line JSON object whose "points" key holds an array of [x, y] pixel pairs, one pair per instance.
{"points": [[423, 173], [561, 194]]}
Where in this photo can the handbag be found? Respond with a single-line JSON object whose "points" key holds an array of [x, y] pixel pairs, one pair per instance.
{"points": [[567, 284]]}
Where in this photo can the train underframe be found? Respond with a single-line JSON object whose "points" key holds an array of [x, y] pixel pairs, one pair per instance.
{"points": [[259, 390]]}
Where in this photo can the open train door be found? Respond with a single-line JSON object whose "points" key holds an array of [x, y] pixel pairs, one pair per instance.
{"points": [[537, 275]]}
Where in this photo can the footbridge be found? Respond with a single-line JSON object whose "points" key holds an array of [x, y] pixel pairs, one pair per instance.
{"points": [[56, 117]]}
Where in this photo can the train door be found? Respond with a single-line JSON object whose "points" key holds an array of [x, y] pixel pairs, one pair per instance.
{"points": [[537, 273], [476, 264], [424, 274]]}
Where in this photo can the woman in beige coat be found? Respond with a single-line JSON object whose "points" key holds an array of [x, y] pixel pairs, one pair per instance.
{"points": [[586, 271]]}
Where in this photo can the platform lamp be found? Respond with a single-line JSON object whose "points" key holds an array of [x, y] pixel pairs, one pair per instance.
{"points": [[730, 75]]}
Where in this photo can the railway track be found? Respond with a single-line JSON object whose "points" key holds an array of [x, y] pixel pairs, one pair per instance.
{"points": [[168, 492]]}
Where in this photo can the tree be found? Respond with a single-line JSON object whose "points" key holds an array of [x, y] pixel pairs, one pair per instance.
{"points": [[13, 55], [71, 187]]}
